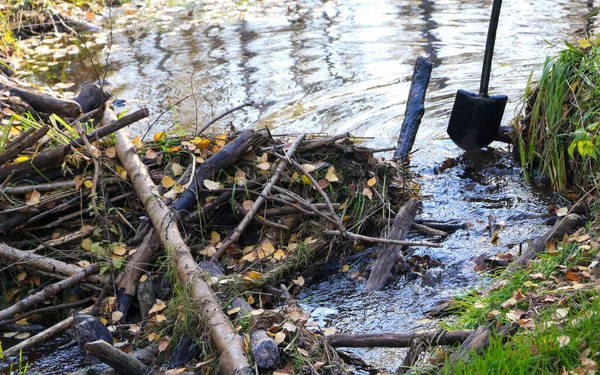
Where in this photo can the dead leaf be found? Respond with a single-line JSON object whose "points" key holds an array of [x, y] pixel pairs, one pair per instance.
{"points": [[515, 314], [22, 322], [367, 193], [372, 181], [299, 281], [247, 204], [563, 341], [177, 169], [34, 198], [254, 274], [163, 345], [573, 276], [264, 166], [212, 185], [537, 276], [120, 250], [303, 352], [309, 167], [279, 255], [215, 237], [137, 142], [116, 316], [279, 337], [561, 313], [160, 318], [168, 182], [111, 152], [175, 371], [160, 136], [23, 336], [158, 306], [509, 303], [151, 154], [330, 175]]}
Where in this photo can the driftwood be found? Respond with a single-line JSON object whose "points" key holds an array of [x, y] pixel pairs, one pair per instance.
{"points": [[123, 363], [49, 265], [42, 336], [415, 108], [390, 254], [47, 292], [48, 104], [565, 226], [55, 156], [395, 340], [233, 358]]}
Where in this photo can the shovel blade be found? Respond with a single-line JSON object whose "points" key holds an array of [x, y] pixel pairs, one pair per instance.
{"points": [[475, 120]]}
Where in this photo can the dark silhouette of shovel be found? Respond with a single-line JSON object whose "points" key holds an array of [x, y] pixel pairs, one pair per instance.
{"points": [[476, 118]]}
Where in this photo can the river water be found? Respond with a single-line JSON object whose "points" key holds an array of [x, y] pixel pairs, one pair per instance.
{"points": [[336, 66]]}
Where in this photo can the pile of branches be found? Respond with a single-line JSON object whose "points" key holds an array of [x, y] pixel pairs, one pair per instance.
{"points": [[179, 233]]}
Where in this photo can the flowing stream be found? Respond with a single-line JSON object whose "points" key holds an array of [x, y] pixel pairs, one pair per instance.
{"points": [[336, 66]]}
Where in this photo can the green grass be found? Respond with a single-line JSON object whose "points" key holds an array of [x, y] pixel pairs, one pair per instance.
{"points": [[562, 139], [558, 342]]}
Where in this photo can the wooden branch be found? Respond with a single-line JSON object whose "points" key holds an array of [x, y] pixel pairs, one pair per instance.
{"points": [[115, 358], [325, 141], [386, 241], [242, 211], [479, 340], [47, 104], [565, 226], [44, 310], [415, 108], [11, 152], [396, 340], [220, 116], [225, 157], [417, 346], [87, 229], [42, 336], [42, 263], [389, 255], [257, 203], [47, 292], [233, 358], [428, 230], [56, 155]]}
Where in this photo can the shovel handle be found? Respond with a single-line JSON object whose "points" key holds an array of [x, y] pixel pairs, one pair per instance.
{"points": [[489, 48]]}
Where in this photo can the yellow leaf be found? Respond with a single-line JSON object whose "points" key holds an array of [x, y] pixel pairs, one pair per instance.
{"points": [[86, 244], [367, 193], [83, 263], [21, 159], [160, 136], [215, 237], [143, 278], [372, 181], [331, 176], [175, 371], [309, 167], [268, 248], [137, 142], [221, 139], [254, 274], [235, 310], [306, 180], [208, 251], [21, 276], [345, 268], [251, 300], [152, 336], [584, 43], [201, 142], [279, 255], [160, 318], [22, 322], [250, 257], [34, 198], [167, 182], [120, 250], [88, 184]]}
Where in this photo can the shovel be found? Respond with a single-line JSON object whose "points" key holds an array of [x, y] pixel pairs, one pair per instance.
{"points": [[476, 118]]}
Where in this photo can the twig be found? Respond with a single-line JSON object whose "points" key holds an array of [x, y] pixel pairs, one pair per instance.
{"points": [[44, 310], [220, 116], [360, 237], [325, 141], [257, 204], [259, 219], [94, 153]]}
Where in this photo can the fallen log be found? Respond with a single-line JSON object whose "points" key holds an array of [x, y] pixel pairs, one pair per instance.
{"points": [[390, 254], [49, 309], [42, 336], [115, 358], [48, 292], [233, 358], [415, 108], [42, 263], [565, 226], [47, 104], [479, 340], [396, 340]]}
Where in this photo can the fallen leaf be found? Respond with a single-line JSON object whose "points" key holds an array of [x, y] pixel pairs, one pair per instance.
{"points": [[279, 255], [367, 193], [158, 306], [160, 136], [116, 316], [22, 322], [137, 142], [9, 335], [573, 276], [330, 175], [290, 327], [34, 198], [583, 44], [163, 345], [550, 298], [175, 371], [177, 169], [83, 263], [250, 257], [254, 274], [480, 305], [279, 337], [247, 204], [509, 303], [120, 250], [212, 185], [143, 278], [215, 237], [309, 167], [527, 323], [345, 268], [537, 276], [111, 152], [268, 248], [167, 182], [299, 281], [160, 318], [563, 341], [21, 276], [264, 166], [23, 336], [515, 314], [134, 328], [561, 313], [251, 300], [303, 352], [372, 181], [151, 154], [221, 139], [233, 311]]}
